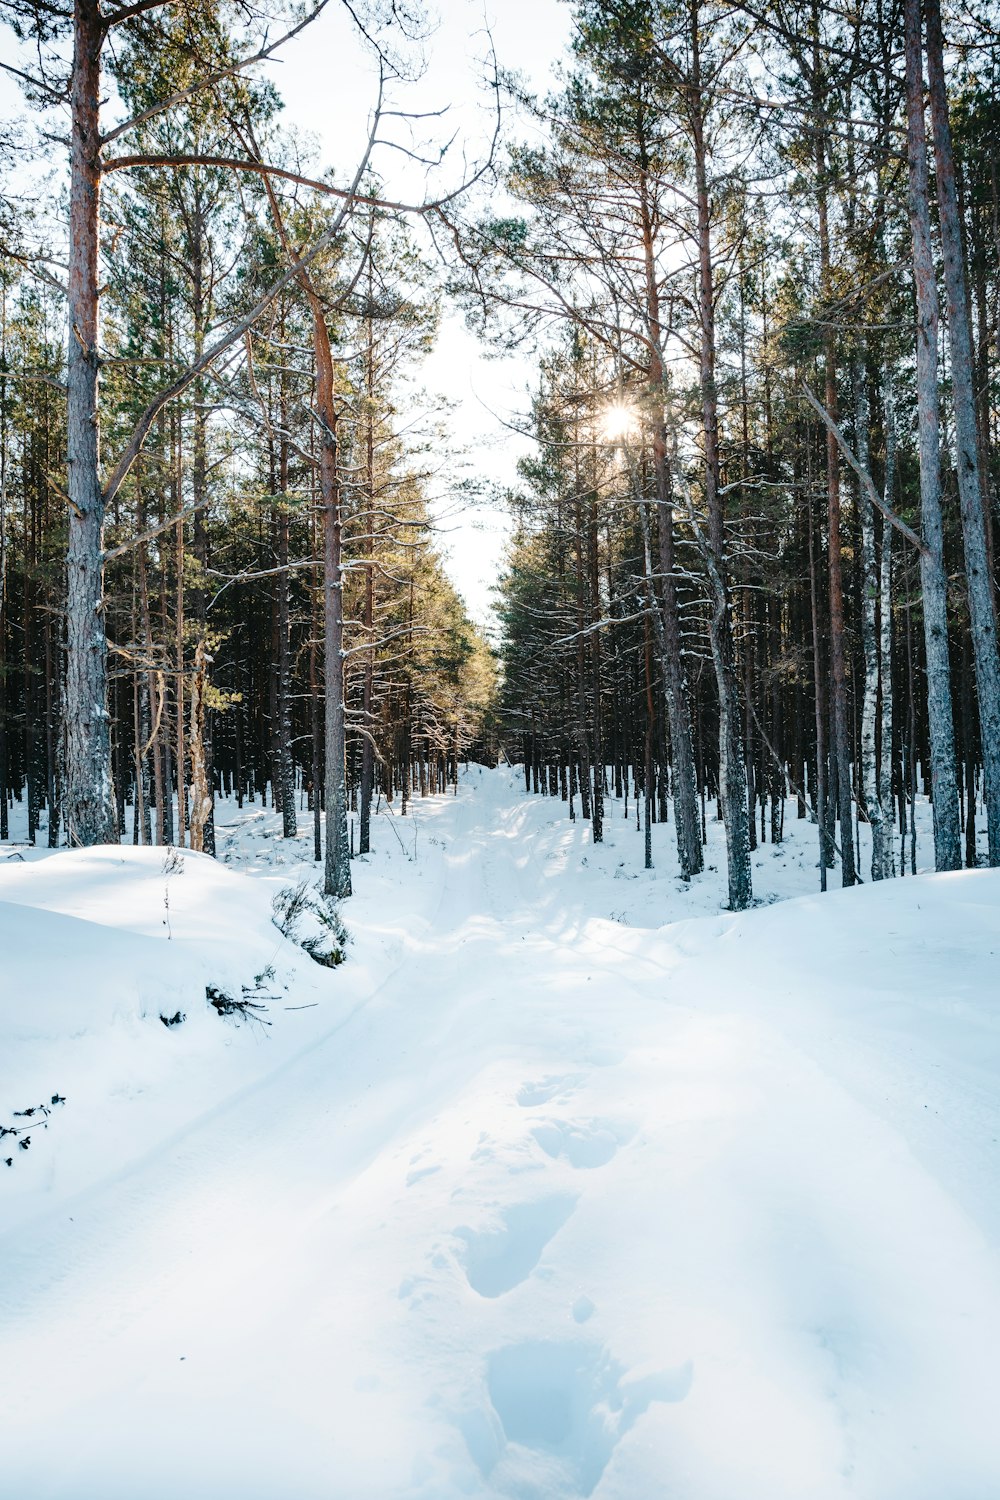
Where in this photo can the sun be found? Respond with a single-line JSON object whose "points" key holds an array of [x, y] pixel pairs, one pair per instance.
{"points": [[617, 422]]}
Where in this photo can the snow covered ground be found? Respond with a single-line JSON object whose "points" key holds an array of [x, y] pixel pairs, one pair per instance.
{"points": [[534, 1197]]}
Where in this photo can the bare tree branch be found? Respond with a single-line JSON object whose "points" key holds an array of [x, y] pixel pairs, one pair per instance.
{"points": [[864, 476], [154, 531]]}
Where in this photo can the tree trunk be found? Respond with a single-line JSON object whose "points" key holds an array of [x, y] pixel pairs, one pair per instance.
{"points": [[317, 732], [368, 689], [90, 808], [154, 692], [180, 758], [597, 796], [732, 772], [286, 763], [820, 788], [983, 621], [583, 750], [885, 676], [934, 583], [201, 800], [877, 671], [841, 747], [202, 779], [338, 855], [689, 846]]}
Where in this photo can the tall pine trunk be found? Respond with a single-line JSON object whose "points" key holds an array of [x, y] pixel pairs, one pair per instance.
{"points": [[338, 855], [286, 762], [875, 643], [89, 800], [202, 777], [368, 688], [689, 846], [934, 584], [885, 674], [841, 739], [732, 770], [970, 492]]}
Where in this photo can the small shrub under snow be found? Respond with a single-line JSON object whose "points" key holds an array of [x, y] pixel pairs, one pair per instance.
{"points": [[310, 918]]}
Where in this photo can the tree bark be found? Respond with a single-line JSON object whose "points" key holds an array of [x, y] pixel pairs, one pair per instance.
{"points": [[841, 748], [201, 800], [286, 763], [934, 584], [338, 854], [368, 689], [885, 662], [689, 846], [875, 643], [90, 808], [983, 621], [732, 771]]}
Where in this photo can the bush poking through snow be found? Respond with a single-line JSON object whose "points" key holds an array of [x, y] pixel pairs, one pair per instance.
{"points": [[288, 908], [310, 918], [175, 1020], [21, 1131], [249, 1009]]}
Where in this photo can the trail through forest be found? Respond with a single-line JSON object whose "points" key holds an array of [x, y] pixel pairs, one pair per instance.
{"points": [[531, 1200]]}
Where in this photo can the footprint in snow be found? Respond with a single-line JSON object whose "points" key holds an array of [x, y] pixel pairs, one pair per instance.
{"points": [[542, 1090], [583, 1309], [558, 1409], [585, 1143], [421, 1165], [499, 1258], [417, 1174]]}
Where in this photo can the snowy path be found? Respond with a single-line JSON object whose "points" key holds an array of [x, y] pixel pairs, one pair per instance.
{"points": [[557, 1207]]}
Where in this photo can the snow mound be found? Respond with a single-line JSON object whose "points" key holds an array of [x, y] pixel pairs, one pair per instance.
{"points": [[111, 956]]}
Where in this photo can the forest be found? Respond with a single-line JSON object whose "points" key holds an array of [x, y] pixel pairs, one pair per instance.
{"points": [[499, 893], [754, 555], [752, 259]]}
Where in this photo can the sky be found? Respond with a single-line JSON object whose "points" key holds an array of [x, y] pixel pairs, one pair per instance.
{"points": [[328, 83]]}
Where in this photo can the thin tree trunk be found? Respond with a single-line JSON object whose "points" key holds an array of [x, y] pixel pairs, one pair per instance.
{"points": [[181, 754], [202, 778], [315, 717], [338, 855], [841, 748], [648, 746], [689, 846], [732, 771], [583, 749], [154, 690], [934, 584], [820, 715], [597, 798], [201, 801], [877, 665], [368, 687], [286, 763], [885, 675]]}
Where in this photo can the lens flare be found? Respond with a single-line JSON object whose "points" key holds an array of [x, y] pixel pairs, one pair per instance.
{"points": [[617, 422]]}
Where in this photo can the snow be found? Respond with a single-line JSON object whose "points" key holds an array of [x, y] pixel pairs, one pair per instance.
{"points": [[535, 1197]]}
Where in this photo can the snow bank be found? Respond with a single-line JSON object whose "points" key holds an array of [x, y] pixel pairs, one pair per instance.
{"points": [[101, 948]]}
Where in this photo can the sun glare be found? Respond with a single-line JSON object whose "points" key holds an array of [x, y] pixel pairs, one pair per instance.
{"points": [[617, 422]]}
